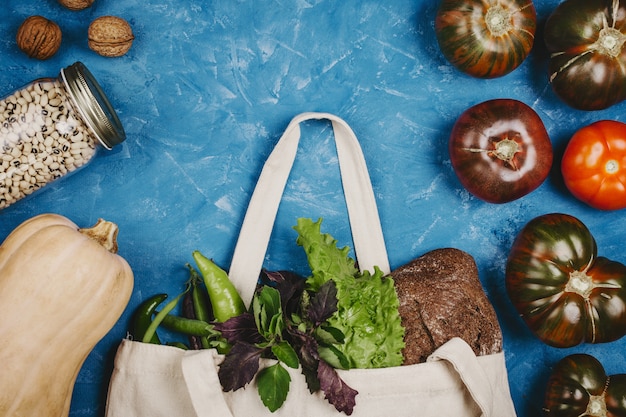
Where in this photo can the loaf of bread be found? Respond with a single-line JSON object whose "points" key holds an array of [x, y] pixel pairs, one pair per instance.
{"points": [[441, 297]]}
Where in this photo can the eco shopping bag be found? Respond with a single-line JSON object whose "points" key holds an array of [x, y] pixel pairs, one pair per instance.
{"points": [[154, 380]]}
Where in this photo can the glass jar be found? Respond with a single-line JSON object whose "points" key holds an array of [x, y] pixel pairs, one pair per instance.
{"points": [[50, 128]]}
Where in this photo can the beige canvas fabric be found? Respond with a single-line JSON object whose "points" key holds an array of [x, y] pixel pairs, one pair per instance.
{"points": [[163, 381]]}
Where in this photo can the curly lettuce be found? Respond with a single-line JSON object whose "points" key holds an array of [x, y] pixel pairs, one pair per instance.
{"points": [[367, 308]]}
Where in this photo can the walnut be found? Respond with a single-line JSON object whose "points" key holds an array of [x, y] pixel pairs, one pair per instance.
{"points": [[110, 36], [76, 4], [39, 37]]}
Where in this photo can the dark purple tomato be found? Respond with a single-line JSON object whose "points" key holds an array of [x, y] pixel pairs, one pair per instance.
{"points": [[486, 38], [588, 59], [500, 150], [562, 289], [579, 386]]}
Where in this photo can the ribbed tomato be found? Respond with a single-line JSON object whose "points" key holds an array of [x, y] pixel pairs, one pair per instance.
{"points": [[486, 38], [594, 165], [564, 292], [579, 386], [500, 150], [588, 60]]}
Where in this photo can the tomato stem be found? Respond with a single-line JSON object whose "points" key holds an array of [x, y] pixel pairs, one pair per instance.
{"points": [[506, 149], [611, 166], [610, 40], [579, 283], [596, 406], [498, 20]]}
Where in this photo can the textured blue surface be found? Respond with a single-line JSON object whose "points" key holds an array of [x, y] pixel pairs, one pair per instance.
{"points": [[207, 89]]}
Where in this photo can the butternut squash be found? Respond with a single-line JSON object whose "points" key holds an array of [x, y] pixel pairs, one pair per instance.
{"points": [[61, 290]]}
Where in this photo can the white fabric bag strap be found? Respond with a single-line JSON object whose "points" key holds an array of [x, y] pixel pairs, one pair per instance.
{"points": [[462, 358], [199, 371], [367, 235]]}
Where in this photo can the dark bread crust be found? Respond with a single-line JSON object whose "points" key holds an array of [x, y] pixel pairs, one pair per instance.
{"points": [[441, 297]]}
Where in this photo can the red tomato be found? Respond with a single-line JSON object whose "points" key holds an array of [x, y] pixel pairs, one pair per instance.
{"points": [[500, 150], [594, 165]]}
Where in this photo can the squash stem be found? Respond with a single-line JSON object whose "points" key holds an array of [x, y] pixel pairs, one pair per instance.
{"points": [[103, 232]]}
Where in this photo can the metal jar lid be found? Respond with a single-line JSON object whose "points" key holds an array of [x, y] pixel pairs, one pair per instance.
{"points": [[93, 105]]}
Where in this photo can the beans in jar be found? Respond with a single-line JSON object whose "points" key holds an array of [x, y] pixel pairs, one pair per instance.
{"points": [[45, 134]]}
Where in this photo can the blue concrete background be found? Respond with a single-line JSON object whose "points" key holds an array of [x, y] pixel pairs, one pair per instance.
{"points": [[208, 88]]}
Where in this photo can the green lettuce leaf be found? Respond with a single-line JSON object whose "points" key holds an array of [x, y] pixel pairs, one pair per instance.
{"points": [[367, 308]]}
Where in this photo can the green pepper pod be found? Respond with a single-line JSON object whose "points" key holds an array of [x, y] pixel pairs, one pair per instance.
{"points": [[179, 345], [225, 300], [201, 304], [143, 318], [190, 327], [195, 342], [158, 319]]}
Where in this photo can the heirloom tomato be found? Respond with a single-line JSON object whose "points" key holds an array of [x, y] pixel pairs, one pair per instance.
{"points": [[564, 292], [579, 386], [594, 165], [585, 39], [486, 38], [500, 150]]}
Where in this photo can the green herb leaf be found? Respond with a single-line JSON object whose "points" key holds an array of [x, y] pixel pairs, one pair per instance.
{"points": [[329, 335], [285, 353], [273, 386], [335, 357], [268, 314]]}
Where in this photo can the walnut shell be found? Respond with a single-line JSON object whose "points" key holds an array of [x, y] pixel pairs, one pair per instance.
{"points": [[76, 4], [39, 37], [110, 36]]}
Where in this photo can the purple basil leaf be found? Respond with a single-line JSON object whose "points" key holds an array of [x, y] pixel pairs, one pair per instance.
{"points": [[290, 286], [306, 348], [240, 366], [310, 376], [336, 391], [240, 328], [323, 304], [271, 277]]}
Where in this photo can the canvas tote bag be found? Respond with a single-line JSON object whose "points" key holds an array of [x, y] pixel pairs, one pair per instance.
{"points": [[151, 380]]}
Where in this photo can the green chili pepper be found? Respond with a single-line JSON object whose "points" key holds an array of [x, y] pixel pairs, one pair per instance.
{"points": [[143, 318], [179, 345], [225, 300], [195, 342], [151, 330], [201, 305], [187, 326]]}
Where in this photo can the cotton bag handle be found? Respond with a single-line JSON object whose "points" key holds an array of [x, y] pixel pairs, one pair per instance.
{"points": [[465, 363], [367, 235]]}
